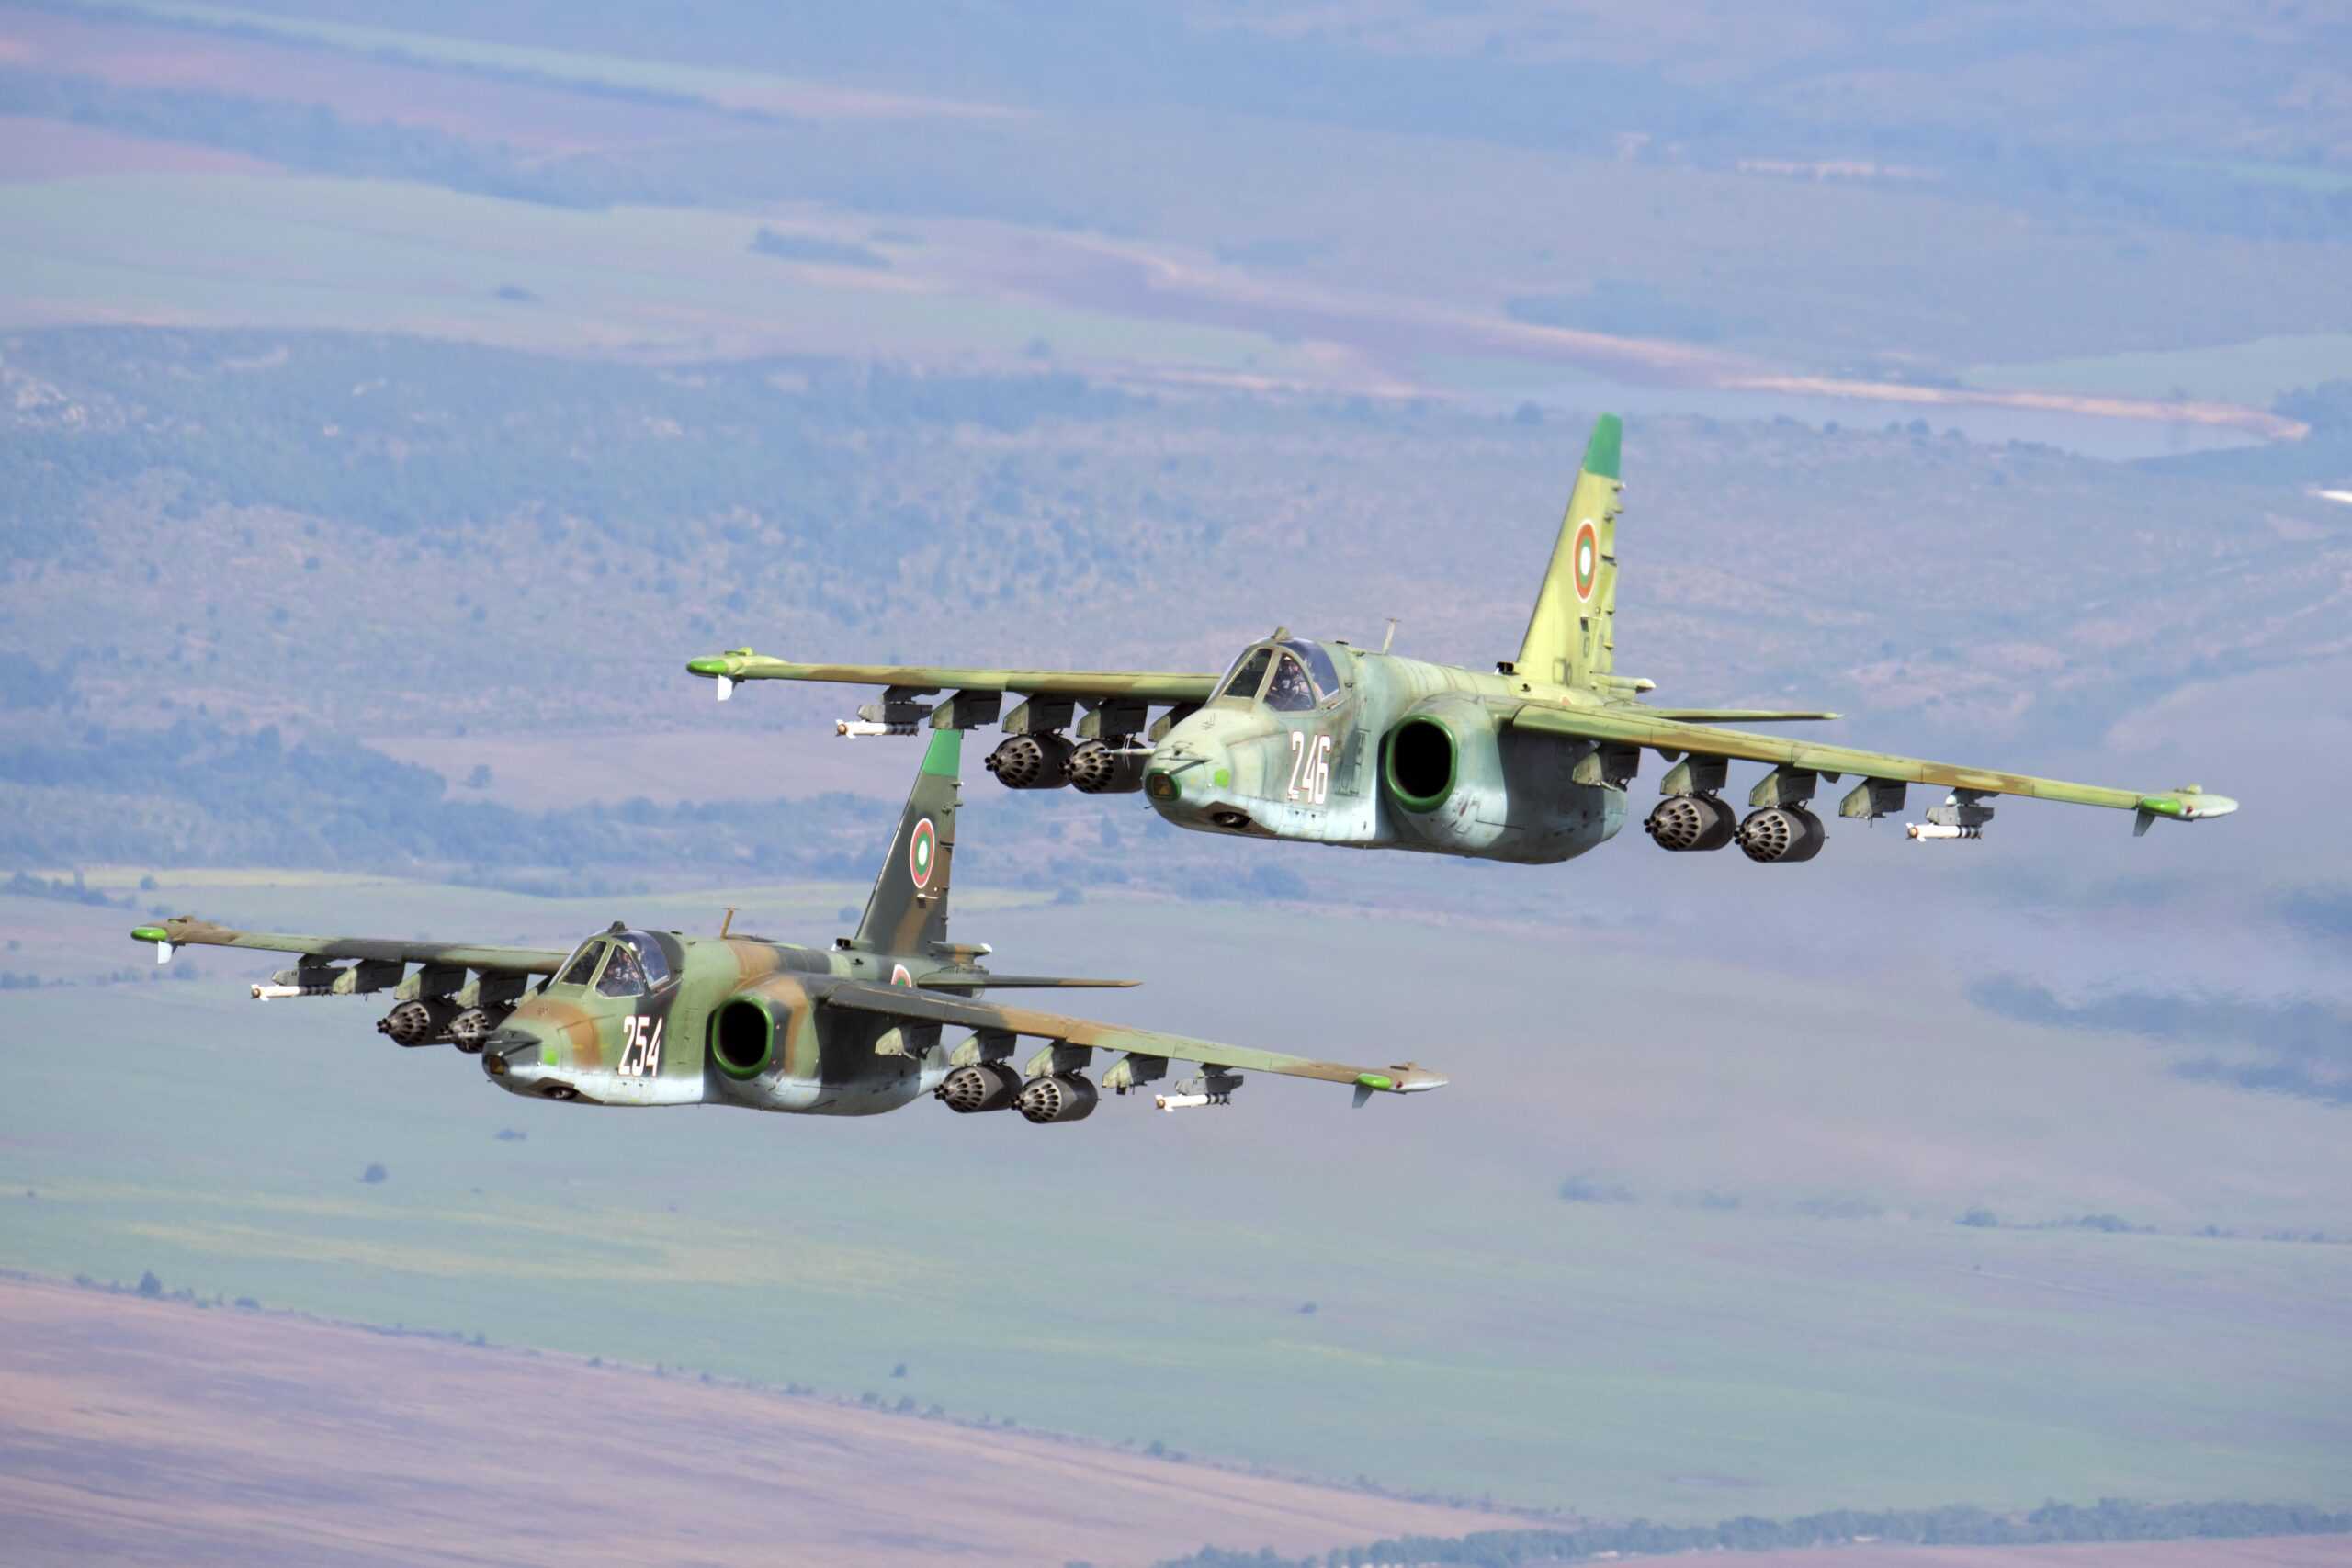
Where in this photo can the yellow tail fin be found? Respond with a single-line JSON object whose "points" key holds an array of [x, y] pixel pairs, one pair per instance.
{"points": [[1571, 635]]}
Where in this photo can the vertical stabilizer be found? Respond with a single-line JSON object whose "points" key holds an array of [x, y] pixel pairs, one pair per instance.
{"points": [[908, 910], [1571, 635]]}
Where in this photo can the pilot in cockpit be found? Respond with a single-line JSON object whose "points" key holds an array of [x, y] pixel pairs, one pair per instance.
{"points": [[1289, 691], [624, 976]]}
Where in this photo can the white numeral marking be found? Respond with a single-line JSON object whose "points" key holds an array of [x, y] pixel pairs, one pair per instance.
{"points": [[642, 1058], [1310, 770]]}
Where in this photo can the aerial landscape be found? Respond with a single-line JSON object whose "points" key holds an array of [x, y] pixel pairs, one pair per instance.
{"points": [[1625, 431]]}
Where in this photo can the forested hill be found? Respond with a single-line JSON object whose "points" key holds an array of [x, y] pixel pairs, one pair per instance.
{"points": [[1960, 1525]]}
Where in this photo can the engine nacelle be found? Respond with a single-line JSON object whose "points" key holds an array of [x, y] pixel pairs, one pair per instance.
{"points": [[1031, 761], [1099, 768], [1682, 822], [1782, 835], [983, 1086], [1057, 1096], [1442, 771], [424, 1021]]}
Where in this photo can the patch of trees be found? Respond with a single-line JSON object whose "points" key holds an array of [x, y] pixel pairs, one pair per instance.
{"points": [[313, 137], [1955, 1525], [815, 248], [250, 797], [435, 440], [25, 884]]}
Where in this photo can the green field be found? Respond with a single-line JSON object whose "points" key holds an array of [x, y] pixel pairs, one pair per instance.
{"points": [[1716, 1347], [381, 255]]}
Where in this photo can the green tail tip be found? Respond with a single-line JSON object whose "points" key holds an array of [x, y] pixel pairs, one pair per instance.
{"points": [[1600, 452], [149, 933], [940, 758], [707, 666]]}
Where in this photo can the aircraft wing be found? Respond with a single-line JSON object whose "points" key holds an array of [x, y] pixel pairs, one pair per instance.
{"points": [[184, 931], [1633, 726], [1736, 715], [1143, 685], [966, 980], [898, 1002]]}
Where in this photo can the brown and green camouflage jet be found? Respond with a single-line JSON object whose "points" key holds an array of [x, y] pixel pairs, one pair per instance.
{"points": [[1328, 743], [639, 1017]]}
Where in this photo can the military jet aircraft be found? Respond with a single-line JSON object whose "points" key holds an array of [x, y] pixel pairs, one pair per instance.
{"points": [[1325, 742], [850, 1030]]}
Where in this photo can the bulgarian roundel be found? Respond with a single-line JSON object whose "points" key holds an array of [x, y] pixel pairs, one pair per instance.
{"points": [[1588, 558], [923, 848]]}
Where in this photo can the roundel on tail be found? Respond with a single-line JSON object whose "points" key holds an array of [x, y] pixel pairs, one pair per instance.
{"points": [[922, 849], [1587, 559]]}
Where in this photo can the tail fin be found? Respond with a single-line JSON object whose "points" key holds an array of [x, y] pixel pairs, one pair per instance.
{"points": [[908, 908], [1571, 635]]}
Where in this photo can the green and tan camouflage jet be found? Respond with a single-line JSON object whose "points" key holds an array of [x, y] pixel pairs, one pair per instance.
{"points": [[1328, 743], [636, 1017]]}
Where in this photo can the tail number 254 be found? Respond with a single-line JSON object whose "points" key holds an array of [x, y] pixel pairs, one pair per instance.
{"points": [[641, 1057]]}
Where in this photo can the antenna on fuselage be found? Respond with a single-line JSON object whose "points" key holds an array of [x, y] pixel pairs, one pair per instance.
{"points": [[725, 925], [1391, 636]]}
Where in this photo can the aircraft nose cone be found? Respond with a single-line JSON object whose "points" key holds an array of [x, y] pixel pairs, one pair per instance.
{"points": [[1184, 773], [509, 1051]]}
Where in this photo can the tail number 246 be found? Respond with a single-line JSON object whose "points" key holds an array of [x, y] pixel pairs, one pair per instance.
{"points": [[1310, 768]]}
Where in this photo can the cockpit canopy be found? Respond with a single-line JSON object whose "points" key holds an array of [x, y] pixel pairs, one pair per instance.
{"points": [[1291, 675], [620, 964]]}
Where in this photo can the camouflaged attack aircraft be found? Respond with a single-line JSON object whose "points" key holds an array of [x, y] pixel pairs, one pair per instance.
{"points": [[660, 1018], [1328, 743]]}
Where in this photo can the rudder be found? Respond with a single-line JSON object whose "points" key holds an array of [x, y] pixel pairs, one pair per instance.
{"points": [[1571, 633], [907, 912]]}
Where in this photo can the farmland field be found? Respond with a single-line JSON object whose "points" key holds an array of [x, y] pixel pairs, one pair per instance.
{"points": [[1797, 1326]]}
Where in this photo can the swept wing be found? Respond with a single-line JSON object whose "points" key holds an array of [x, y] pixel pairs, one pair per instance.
{"points": [[182, 930], [1144, 685], [897, 1001], [1631, 725]]}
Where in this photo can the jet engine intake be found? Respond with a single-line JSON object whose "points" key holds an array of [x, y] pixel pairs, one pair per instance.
{"points": [[1031, 761], [1443, 778], [424, 1021], [1098, 767], [1682, 823], [1057, 1096], [983, 1086], [1782, 835], [743, 1037]]}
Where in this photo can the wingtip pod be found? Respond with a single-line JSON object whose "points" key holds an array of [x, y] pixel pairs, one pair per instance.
{"points": [[2189, 803], [1602, 453], [1404, 1078], [726, 669]]}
